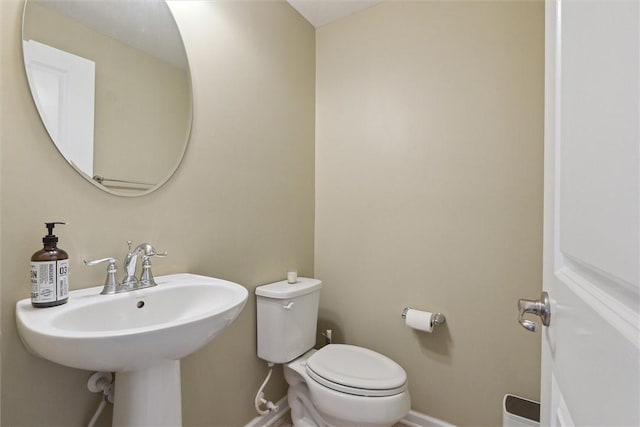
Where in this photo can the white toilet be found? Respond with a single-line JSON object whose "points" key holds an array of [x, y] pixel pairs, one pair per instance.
{"points": [[338, 385]]}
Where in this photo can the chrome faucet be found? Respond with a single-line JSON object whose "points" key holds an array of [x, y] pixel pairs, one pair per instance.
{"points": [[130, 261], [130, 282]]}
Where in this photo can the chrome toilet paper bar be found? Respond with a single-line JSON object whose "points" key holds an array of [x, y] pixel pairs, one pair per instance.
{"points": [[436, 319]]}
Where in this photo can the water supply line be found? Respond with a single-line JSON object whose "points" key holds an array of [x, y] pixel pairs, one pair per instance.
{"points": [[95, 417], [100, 382], [260, 400], [327, 336]]}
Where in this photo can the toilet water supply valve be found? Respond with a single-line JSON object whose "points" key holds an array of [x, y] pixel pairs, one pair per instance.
{"points": [[327, 336], [260, 400], [101, 382]]}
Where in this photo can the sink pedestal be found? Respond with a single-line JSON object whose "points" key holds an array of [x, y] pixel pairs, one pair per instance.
{"points": [[149, 397]]}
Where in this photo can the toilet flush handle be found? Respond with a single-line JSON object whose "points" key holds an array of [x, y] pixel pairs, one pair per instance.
{"points": [[288, 306]]}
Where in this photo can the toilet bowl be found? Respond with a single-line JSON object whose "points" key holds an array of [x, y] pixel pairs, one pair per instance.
{"points": [[337, 386], [346, 386]]}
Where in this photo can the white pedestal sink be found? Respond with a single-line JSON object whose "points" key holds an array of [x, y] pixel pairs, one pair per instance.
{"points": [[140, 335]]}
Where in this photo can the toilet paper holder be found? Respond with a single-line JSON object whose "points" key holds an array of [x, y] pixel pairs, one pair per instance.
{"points": [[437, 319]]}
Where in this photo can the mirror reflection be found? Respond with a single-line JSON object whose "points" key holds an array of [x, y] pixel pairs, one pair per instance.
{"points": [[111, 82]]}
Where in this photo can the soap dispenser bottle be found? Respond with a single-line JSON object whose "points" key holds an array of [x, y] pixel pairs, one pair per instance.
{"points": [[49, 272]]}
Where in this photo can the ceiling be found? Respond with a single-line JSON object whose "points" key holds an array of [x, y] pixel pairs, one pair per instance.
{"points": [[146, 25], [320, 12]]}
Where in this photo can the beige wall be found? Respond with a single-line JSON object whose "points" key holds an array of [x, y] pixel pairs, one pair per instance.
{"points": [[241, 207], [428, 194], [141, 102], [429, 137]]}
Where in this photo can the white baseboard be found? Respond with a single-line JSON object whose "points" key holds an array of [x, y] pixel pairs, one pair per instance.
{"points": [[412, 419], [417, 419]]}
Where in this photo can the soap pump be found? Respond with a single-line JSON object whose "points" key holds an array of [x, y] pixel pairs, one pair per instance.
{"points": [[49, 272]]}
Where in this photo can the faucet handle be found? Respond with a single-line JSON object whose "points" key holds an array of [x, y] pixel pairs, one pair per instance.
{"points": [[158, 254], [111, 260], [146, 278], [111, 282]]}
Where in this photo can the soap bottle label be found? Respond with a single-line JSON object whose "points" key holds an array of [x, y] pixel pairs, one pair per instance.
{"points": [[49, 280], [62, 271]]}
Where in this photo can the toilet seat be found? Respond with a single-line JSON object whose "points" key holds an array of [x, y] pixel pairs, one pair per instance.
{"points": [[356, 370]]}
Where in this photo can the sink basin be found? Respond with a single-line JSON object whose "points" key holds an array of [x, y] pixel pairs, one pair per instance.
{"points": [[141, 335], [131, 330]]}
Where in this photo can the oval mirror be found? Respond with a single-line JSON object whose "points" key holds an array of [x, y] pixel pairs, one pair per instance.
{"points": [[111, 82]]}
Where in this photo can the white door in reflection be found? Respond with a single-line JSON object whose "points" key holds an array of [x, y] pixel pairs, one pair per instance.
{"points": [[64, 95]]}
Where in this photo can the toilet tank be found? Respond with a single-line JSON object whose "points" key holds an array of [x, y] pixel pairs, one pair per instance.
{"points": [[287, 317]]}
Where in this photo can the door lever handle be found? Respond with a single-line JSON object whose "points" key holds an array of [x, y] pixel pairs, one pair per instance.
{"points": [[540, 308]]}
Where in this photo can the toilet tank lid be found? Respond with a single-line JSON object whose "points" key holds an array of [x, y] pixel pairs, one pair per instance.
{"points": [[285, 290]]}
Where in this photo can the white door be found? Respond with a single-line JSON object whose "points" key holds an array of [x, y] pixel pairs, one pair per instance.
{"points": [[590, 351], [63, 88]]}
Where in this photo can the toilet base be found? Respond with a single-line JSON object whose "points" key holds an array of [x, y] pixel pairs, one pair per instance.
{"points": [[303, 413]]}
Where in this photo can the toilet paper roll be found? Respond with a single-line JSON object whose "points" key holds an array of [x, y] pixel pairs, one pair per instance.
{"points": [[420, 320]]}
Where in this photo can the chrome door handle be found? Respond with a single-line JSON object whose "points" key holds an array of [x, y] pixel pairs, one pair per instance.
{"points": [[540, 308]]}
